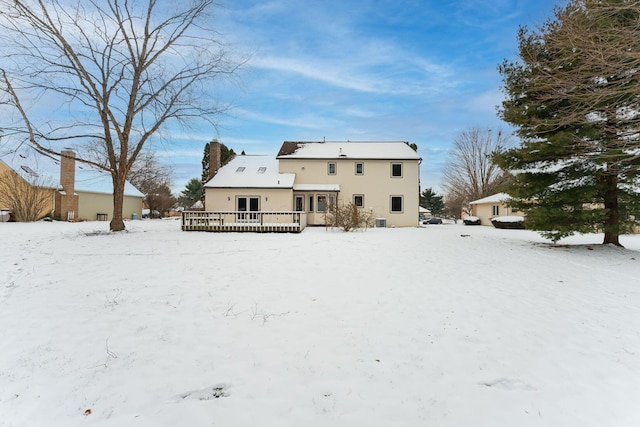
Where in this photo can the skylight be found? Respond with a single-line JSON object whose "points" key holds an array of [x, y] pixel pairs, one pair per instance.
{"points": [[240, 169], [30, 171], [262, 169]]}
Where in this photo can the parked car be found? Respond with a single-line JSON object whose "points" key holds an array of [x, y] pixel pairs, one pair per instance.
{"points": [[471, 220], [433, 220], [510, 222]]}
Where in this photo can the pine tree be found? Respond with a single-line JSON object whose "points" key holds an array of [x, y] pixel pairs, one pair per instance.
{"points": [[205, 164], [192, 193], [226, 154], [430, 200], [573, 97]]}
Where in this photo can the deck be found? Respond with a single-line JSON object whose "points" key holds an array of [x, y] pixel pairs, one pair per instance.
{"points": [[260, 222]]}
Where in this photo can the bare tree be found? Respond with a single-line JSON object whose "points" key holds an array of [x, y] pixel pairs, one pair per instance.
{"points": [[28, 200], [147, 169], [455, 207], [470, 172], [121, 69], [154, 181], [347, 216]]}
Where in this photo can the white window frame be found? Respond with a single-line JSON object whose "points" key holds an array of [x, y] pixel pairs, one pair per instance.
{"points": [[326, 203], [495, 210], [361, 196], [335, 168], [356, 168]]}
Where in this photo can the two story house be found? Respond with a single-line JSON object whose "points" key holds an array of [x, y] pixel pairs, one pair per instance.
{"points": [[381, 177]]}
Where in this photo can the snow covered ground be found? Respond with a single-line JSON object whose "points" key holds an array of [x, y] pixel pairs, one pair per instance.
{"points": [[443, 325]]}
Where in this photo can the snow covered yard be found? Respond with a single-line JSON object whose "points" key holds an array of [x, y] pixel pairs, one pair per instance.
{"points": [[445, 325]]}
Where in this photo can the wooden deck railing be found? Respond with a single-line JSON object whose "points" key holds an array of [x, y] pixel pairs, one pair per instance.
{"points": [[263, 221]]}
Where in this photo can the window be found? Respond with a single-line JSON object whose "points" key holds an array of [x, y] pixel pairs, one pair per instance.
{"points": [[358, 200], [396, 204], [299, 203], [396, 170], [332, 168], [240, 169], [247, 207], [495, 210], [322, 203], [262, 169], [359, 168], [311, 203], [247, 203]]}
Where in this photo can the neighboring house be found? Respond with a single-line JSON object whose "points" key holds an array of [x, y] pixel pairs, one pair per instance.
{"points": [[424, 212], [379, 177], [78, 191], [492, 206]]}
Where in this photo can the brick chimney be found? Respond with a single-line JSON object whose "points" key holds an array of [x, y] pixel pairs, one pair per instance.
{"points": [[68, 171], [66, 200], [214, 157]]}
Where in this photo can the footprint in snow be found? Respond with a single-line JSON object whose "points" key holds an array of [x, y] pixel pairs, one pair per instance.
{"points": [[209, 393], [508, 384]]}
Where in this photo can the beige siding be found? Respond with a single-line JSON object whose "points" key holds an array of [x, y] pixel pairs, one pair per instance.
{"points": [[91, 204], [271, 199], [487, 211], [47, 210], [376, 185]]}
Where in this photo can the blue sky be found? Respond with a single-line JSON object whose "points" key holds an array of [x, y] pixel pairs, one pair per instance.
{"points": [[418, 71]]}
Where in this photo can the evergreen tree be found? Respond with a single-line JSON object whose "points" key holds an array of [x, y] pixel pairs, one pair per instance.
{"points": [[193, 192], [205, 164], [430, 200], [573, 97], [226, 154]]}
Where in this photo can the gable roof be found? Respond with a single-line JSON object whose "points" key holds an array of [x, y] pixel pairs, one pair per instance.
{"points": [[361, 150], [251, 172], [495, 198], [32, 164]]}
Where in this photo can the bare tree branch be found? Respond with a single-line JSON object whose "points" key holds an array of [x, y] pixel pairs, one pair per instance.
{"points": [[470, 172], [122, 69]]}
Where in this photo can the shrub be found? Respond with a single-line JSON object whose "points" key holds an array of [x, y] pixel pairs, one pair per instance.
{"points": [[347, 217]]}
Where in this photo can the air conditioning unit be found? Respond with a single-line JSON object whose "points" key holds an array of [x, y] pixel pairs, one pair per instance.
{"points": [[381, 222]]}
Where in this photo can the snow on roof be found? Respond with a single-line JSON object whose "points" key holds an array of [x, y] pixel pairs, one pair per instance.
{"points": [[394, 150], [317, 187], [32, 164], [423, 209], [496, 198], [251, 172]]}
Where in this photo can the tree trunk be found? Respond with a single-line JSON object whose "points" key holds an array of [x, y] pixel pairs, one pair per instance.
{"points": [[117, 222], [612, 223]]}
